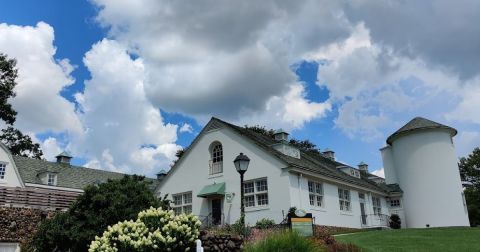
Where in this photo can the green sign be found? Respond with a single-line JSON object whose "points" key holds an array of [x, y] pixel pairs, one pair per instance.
{"points": [[304, 226]]}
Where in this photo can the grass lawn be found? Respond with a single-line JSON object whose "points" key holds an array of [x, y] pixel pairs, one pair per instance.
{"points": [[431, 239]]}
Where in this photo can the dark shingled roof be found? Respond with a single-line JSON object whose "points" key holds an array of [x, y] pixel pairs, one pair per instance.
{"points": [[69, 176], [419, 123], [310, 162]]}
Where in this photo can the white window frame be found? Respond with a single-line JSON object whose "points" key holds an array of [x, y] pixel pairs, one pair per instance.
{"points": [[395, 203], [216, 161], [51, 179], [315, 194], [185, 203], [377, 205], [259, 196], [344, 200], [3, 170]]}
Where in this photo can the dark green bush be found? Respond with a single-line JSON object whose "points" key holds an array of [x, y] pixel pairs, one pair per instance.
{"points": [[98, 207], [395, 222], [265, 223], [285, 241]]}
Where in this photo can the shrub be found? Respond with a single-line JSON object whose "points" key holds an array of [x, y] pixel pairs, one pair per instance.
{"points": [[265, 223], [239, 229], [99, 206], [284, 241], [154, 230], [395, 221]]}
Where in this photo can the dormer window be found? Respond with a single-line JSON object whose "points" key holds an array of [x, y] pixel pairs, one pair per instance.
{"points": [[216, 161], [51, 179]]}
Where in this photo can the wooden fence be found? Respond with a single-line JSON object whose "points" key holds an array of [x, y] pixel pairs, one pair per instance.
{"points": [[35, 197]]}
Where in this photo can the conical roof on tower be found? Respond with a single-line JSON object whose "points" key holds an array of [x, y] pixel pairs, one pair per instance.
{"points": [[419, 123]]}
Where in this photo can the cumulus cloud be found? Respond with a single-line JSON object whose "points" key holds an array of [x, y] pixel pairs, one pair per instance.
{"points": [[124, 132], [380, 172], [186, 128], [41, 77], [50, 148], [228, 59]]}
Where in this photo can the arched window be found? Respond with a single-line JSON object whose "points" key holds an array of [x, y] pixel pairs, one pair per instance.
{"points": [[216, 161]]}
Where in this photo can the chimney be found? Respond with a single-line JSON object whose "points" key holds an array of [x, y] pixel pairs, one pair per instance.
{"points": [[64, 158], [363, 167], [161, 175], [280, 135], [329, 154]]}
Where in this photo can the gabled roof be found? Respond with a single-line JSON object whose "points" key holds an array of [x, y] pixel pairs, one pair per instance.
{"points": [[419, 123], [315, 163], [68, 176]]}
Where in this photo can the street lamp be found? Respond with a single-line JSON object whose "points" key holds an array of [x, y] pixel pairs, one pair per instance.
{"points": [[241, 164]]}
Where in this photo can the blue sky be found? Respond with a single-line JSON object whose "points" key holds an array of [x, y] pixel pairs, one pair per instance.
{"points": [[136, 81]]}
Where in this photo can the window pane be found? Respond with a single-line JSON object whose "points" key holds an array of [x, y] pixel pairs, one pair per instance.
{"points": [[177, 210], [2, 171], [187, 209], [187, 198], [318, 187], [248, 187], [262, 199], [319, 201], [177, 200], [249, 201], [310, 186], [347, 206], [261, 185], [312, 199], [340, 193]]}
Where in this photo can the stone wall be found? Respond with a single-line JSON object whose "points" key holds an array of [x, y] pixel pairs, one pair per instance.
{"points": [[216, 242], [20, 224]]}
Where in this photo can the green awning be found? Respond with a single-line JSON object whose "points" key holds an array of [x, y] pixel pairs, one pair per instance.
{"points": [[212, 190]]}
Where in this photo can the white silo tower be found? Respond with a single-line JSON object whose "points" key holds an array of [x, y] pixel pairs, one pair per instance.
{"points": [[421, 158]]}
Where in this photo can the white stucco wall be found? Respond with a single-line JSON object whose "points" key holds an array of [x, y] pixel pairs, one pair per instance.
{"points": [[388, 166], [192, 174], [330, 214], [427, 171], [11, 176]]}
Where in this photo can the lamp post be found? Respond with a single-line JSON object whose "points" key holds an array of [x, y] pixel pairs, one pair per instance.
{"points": [[241, 164]]}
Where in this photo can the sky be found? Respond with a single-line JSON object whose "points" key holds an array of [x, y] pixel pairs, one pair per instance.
{"points": [[122, 85]]}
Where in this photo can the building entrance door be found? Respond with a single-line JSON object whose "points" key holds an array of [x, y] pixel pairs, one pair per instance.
{"points": [[217, 211]]}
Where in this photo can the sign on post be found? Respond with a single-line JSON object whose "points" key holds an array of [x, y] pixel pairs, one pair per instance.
{"points": [[301, 222]]}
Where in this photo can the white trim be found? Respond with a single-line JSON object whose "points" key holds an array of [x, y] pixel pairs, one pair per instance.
{"points": [[54, 187]]}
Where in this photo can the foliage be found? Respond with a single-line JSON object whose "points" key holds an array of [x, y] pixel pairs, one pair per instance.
{"points": [[304, 145], [20, 144], [99, 206], [284, 241], [395, 221], [154, 230], [470, 173], [14, 139], [265, 223], [8, 74], [470, 168], [292, 210], [416, 239], [472, 197], [239, 229]]}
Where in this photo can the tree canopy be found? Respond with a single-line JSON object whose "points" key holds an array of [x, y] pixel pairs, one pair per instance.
{"points": [[14, 139], [470, 173], [97, 208]]}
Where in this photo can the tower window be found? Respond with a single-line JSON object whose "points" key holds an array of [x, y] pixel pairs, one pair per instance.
{"points": [[216, 161]]}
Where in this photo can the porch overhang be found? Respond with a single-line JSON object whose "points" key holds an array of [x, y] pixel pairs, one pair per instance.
{"points": [[217, 189]]}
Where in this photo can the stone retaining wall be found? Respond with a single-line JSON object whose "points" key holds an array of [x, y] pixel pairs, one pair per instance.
{"points": [[20, 224], [227, 243]]}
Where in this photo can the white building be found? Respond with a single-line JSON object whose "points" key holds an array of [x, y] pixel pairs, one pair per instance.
{"points": [[422, 185]]}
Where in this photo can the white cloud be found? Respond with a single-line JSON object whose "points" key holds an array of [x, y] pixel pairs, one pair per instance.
{"points": [[50, 148], [124, 132], [186, 128], [466, 141], [41, 78], [380, 172]]}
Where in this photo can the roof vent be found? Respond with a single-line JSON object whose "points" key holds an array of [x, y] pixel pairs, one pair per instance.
{"points": [[363, 167], [64, 158], [280, 135], [329, 154]]}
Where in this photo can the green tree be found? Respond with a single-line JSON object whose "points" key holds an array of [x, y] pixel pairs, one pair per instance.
{"points": [[470, 173], [97, 208], [14, 139]]}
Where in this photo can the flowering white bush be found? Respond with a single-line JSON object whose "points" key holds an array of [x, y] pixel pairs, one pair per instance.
{"points": [[154, 230]]}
